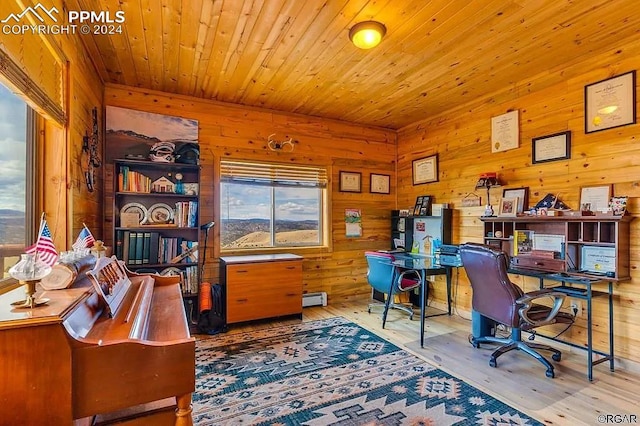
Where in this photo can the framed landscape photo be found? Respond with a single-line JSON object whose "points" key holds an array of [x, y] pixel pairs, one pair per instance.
{"points": [[380, 184], [551, 147], [523, 197], [350, 182], [610, 103], [425, 170]]}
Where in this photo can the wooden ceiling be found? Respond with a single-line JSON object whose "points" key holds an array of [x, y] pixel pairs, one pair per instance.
{"points": [[295, 56]]}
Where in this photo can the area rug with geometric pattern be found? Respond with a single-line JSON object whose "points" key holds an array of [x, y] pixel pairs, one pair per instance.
{"points": [[331, 372]]}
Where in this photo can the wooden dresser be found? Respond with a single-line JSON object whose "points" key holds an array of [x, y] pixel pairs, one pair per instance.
{"points": [[261, 286]]}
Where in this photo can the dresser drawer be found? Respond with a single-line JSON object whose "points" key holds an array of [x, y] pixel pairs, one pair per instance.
{"points": [[539, 263], [248, 273]]}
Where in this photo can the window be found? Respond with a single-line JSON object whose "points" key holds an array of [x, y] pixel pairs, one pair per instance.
{"points": [[271, 205], [16, 178]]}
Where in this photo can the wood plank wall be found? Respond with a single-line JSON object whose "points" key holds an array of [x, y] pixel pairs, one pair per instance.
{"points": [[232, 131], [461, 137], [65, 197]]}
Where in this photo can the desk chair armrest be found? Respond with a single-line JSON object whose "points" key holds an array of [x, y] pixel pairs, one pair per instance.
{"points": [[527, 299]]}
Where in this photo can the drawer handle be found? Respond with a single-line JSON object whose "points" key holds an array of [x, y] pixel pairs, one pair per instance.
{"points": [[291, 294], [242, 300], [241, 271], [291, 267]]}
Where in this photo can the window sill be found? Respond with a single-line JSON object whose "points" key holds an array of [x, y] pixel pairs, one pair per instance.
{"points": [[271, 250]]}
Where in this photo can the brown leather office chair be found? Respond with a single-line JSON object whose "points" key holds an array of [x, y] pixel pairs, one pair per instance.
{"points": [[497, 298]]}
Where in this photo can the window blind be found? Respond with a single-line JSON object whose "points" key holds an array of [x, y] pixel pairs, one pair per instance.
{"points": [[33, 93], [272, 174]]}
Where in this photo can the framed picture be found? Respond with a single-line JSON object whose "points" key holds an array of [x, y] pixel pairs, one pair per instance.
{"points": [[610, 103], [418, 206], [425, 208], [350, 182], [595, 198], [505, 132], [425, 170], [380, 184], [523, 197], [508, 206], [551, 147], [618, 205]]}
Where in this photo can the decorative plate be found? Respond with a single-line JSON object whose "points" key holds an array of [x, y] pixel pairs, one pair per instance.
{"points": [[172, 270], [143, 214], [160, 213]]}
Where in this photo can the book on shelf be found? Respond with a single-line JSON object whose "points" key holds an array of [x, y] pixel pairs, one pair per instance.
{"points": [[132, 181], [522, 242]]}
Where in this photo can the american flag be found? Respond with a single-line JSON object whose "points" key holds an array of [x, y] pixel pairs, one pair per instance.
{"points": [[44, 246], [85, 239]]}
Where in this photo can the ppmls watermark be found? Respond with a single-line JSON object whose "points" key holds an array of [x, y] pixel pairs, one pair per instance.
{"points": [[78, 21], [618, 419]]}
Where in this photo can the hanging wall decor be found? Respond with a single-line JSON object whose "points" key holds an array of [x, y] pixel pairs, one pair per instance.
{"points": [[610, 103], [505, 132]]}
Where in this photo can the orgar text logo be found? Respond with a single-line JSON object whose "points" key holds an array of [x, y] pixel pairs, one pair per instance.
{"points": [[33, 11], [38, 19]]}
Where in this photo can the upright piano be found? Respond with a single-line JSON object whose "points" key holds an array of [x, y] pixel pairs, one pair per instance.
{"points": [[78, 357]]}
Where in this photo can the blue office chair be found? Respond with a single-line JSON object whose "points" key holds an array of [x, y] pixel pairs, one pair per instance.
{"points": [[384, 277]]}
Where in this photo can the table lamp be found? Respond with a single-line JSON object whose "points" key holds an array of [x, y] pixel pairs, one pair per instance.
{"points": [[488, 181], [29, 271]]}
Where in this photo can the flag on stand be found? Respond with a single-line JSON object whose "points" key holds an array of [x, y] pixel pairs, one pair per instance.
{"points": [[44, 246], [85, 239]]}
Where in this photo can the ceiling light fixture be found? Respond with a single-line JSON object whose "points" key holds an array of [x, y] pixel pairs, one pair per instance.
{"points": [[367, 34]]}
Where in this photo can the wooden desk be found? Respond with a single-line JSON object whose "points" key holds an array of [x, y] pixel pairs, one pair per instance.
{"points": [[567, 283], [424, 266]]}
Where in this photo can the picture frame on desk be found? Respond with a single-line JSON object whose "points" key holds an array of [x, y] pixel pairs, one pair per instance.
{"points": [[595, 198], [521, 193], [418, 205], [423, 206], [508, 207]]}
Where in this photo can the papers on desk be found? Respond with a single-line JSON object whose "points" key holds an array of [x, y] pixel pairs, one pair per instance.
{"points": [[398, 243]]}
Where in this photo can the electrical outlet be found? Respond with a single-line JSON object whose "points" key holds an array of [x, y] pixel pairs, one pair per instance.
{"points": [[576, 307]]}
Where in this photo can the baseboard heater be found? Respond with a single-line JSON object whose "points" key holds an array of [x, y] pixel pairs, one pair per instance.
{"points": [[314, 299]]}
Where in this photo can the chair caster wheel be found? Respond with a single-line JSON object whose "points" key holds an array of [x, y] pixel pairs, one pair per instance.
{"points": [[475, 344], [410, 317], [556, 357], [493, 363], [369, 310], [550, 374]]}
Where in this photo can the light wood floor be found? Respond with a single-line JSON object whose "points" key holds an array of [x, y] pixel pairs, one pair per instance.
{"points": [[519, 380]]}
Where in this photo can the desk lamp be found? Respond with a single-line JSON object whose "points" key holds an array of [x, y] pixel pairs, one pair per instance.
{"points": [[488, 181], [29, 271]]}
